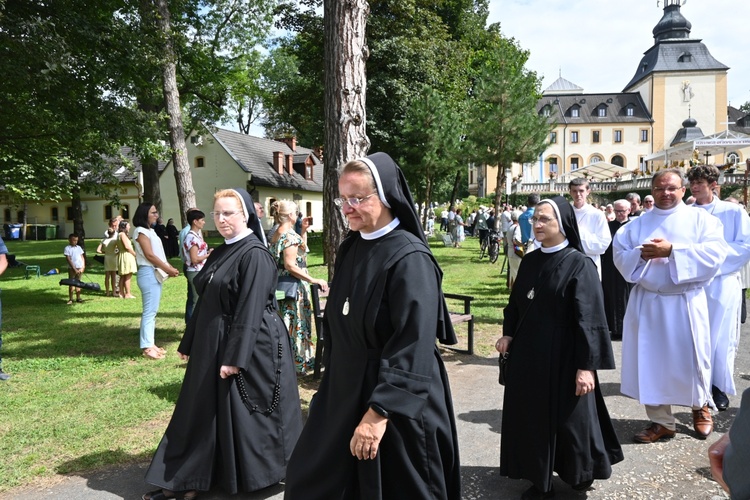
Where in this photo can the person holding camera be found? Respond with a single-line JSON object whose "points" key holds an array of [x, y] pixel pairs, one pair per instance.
{"points": [[290, 251]]}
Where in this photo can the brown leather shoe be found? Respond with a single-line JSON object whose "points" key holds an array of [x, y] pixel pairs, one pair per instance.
{"points": [[653, 433], [702, 422]]}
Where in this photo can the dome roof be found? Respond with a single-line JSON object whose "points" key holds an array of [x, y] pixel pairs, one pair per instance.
{"points": [[672, 25]]}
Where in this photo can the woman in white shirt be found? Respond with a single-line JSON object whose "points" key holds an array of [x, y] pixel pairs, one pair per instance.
{"points": [[153, 269]]}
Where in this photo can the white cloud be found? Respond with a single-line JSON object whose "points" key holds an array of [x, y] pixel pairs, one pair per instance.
{"points": [[597, 44]]}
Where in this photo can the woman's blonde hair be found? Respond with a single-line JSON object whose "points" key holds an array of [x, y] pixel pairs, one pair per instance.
{"points": [[282, 209], [229, 193]]}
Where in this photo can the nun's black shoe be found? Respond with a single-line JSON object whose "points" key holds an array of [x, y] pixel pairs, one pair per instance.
{"points": [[535, 493], [583, 486], [720, 398]]}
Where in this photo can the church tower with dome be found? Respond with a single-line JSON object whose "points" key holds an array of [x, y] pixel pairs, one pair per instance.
{"points": [[678, 93], [678, 78]]}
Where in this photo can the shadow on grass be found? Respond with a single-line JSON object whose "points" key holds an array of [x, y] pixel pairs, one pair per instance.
{"points": [[168, 392], [67, 330]]}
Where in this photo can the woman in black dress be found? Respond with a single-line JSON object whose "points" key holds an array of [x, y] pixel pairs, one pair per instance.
{"points": [[381, 425], [238, 414], [173, 236], [554, 416]]}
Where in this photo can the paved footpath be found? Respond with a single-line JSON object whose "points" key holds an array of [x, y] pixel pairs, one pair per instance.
{"points": [[677, 468]]}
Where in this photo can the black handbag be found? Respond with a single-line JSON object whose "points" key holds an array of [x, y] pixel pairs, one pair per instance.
{"points": [[287, 287], [502, 361]]}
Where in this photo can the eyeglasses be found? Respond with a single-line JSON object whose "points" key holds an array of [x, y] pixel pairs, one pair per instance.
{"points": [[621, 211], [541, 220], [668, 189], [648, 201], [226, 214], [353, 202]]}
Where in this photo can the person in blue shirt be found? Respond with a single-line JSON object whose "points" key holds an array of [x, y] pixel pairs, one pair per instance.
{"points": [[3, 267], [524, 220]]}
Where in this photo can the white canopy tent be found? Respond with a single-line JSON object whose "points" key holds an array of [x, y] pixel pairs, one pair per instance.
{"points": [[714, 144], [599, 171]]}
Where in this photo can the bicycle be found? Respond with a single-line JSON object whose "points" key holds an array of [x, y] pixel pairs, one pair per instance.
{"points": [[483, 244], [493, 245], [490, 245]]}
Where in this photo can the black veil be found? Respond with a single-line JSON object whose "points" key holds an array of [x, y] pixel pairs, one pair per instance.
{"points": [[252, 217], [394, 193], [567, 219]]}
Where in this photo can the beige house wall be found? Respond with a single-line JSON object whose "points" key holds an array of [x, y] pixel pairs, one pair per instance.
{"points": [[221, 171], [95, 222]]}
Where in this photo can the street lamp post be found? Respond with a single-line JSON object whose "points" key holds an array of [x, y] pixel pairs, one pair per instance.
{"points": [[747, 167]]}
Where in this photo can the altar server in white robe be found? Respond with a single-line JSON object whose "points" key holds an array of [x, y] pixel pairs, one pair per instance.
{"points": [[724, 292], [592, 223], [671, 253]]}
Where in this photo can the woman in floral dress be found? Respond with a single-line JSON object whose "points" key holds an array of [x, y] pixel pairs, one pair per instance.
{"points": [[290, 250]]}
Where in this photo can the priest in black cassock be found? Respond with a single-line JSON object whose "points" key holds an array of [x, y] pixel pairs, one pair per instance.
{"points": [[616, 289], [237, 417], [554, 416], [381, 425]]}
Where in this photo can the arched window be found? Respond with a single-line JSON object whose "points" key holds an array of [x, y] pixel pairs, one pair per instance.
{"points": [[595, 159], [575, 163], [618, 160], [733, 158]]}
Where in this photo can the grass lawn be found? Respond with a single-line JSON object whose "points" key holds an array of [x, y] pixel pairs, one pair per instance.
{"points": [[81, 394]]}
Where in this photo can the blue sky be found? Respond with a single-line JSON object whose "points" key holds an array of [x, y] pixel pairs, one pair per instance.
{"points": [[597, 44]]}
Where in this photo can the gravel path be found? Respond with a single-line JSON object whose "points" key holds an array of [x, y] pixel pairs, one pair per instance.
{"points": [[677, 468]]}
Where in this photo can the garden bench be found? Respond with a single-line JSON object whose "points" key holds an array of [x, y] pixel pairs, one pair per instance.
{"points": [[462, 316], [319, 299]]}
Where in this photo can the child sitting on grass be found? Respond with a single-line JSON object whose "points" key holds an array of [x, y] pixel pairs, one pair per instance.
{"points": [[76, 266]]}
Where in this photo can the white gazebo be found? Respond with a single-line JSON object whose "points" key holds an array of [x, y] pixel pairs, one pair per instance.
{"points": [[599, 171], [715, 144]]}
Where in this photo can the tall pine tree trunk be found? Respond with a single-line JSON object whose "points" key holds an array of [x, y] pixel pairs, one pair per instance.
{"points": [[183, 179], [345, 83], [454, 194]]}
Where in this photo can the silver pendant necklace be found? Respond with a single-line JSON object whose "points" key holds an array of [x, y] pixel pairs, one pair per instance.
{"points": [[345, 309], [530, 295]]}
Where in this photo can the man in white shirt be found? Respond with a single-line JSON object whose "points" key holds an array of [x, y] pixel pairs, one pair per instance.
{"points": [[671, 253], [592, 223], [724, 292], [505, 219]]}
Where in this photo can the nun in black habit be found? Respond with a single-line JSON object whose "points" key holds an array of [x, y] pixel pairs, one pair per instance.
{"points": [[616, 289], [554, 415], [381, 425], [237, 417]]}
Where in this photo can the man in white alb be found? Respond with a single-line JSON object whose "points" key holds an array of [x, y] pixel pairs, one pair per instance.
{"points": [[592, 223], [724, 292], [671, 253]]}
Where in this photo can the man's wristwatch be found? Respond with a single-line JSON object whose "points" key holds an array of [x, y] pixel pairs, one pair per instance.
{"points": [[380, 410]]}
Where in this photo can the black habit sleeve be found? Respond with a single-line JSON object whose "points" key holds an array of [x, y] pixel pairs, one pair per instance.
{"points": [[408, 358], [256, 275], [593, 350]]}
